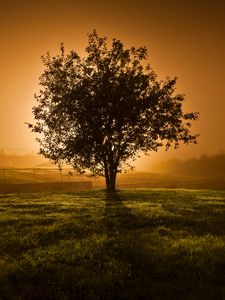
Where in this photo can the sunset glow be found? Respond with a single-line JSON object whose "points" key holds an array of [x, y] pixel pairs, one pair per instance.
{"points": [[184, 39]]}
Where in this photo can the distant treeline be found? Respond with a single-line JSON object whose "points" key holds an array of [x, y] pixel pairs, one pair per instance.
{"points": [[204, 166]]}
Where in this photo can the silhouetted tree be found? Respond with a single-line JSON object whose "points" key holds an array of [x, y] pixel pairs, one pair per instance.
{"points": [[100, 112]]}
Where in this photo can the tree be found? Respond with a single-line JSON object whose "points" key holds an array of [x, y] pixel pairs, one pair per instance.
{"points": [[98, 113]]}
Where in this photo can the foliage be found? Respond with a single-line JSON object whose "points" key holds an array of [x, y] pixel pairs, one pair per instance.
{"points": [[100, 112], [150, 244]]}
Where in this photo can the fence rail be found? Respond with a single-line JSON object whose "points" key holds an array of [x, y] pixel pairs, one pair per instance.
{"points": [[45, 187]]}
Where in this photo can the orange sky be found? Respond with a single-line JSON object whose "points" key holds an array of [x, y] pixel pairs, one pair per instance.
{"points": [[185, 38]]}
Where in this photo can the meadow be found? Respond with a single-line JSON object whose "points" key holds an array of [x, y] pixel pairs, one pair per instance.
{"points": [[137, 244]]}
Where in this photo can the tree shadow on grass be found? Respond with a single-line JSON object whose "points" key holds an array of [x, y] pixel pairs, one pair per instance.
{"points": [[136, 268]]}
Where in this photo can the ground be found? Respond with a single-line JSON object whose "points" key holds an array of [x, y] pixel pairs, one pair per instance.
{"points": [[137, 244]]}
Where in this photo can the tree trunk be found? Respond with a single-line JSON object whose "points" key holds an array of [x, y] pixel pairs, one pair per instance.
{"points": [[110, 178], [111, 188]]}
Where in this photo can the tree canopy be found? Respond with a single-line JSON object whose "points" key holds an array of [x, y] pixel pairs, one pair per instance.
{"points": [[98, 113]]}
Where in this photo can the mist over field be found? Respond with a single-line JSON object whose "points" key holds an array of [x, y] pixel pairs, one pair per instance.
{"points": [[202, 166], [204, 172]]}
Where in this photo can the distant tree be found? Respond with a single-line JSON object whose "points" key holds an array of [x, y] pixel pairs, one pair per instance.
{"points": [[98, 113]]}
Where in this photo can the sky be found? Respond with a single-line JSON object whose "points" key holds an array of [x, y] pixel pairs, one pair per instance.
{"points": [[185, 38]]}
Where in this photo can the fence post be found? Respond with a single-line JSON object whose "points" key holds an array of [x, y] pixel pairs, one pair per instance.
{"points": [[4, 175], [61, 174], [35, 175]]}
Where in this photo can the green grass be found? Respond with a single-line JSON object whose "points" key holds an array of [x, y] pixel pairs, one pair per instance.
{"points": [[143, 244]]}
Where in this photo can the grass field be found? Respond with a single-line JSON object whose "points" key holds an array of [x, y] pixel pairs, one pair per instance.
{"points": [[138, 244]]}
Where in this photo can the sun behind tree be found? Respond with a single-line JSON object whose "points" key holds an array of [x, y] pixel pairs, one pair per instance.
{"points": [[100, 112]]}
